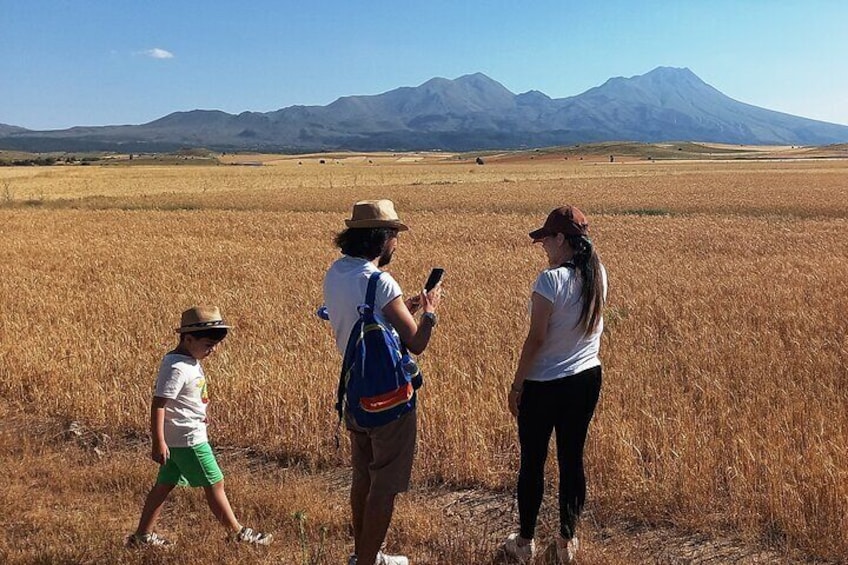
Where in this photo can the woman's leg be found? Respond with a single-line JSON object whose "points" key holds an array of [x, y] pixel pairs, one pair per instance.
{"points": [[577, 398], [535, 425]]}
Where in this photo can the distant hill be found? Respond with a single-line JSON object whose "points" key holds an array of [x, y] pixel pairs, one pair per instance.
{"points": [[6, 129], [468, 113]]}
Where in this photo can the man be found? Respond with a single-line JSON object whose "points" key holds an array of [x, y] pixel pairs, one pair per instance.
{"points": [[382, 456]]}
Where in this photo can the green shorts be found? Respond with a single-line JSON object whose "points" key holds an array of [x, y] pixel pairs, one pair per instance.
{"points": [[190, 466]]}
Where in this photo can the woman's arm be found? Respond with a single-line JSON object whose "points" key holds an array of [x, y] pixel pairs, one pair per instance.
{"points": [[540, 315]]}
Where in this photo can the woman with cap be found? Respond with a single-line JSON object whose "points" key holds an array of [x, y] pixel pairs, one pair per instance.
{"points": [[558, 379]]}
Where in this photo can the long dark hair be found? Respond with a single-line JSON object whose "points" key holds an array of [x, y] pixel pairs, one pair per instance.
{"points": [[588, 264]]}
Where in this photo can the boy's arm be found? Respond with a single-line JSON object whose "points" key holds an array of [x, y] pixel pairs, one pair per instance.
{"points": [[159, 449]]}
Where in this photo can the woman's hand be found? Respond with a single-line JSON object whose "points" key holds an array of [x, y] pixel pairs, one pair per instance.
{"points": [[514, 400]]}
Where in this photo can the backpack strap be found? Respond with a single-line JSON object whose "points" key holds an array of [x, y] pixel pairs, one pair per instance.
{"points": [[370, 297], [371, 292]]}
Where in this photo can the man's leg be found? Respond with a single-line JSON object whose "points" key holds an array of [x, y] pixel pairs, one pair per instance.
{"points": [[378, 515], [361, 456], [390, 451]]}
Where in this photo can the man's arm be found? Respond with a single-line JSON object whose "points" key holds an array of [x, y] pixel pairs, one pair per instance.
{"points": [[414, 336]]}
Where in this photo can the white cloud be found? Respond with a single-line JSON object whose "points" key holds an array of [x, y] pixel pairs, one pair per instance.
{"points": [[157, 53]]}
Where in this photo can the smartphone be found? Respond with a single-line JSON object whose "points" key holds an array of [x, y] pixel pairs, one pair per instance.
{"points": [[434, 279]]}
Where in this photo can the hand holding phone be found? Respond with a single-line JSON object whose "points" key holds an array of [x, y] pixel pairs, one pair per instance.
{"points": [[435, 278]]}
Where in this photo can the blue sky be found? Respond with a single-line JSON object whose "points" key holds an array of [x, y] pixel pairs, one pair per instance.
{"points": [[86, 62]]}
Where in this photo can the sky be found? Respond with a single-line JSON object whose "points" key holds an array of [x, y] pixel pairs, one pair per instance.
{"points": [[109, 62]]}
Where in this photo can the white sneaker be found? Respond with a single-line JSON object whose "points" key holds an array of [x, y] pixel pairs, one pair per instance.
{"points": [[385, 559], [147, 540], [566, 550], [251, 536], [523, 553]]}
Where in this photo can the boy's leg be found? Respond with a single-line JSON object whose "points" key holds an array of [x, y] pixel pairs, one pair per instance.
{"points": [[220, 506], [153, 507]]}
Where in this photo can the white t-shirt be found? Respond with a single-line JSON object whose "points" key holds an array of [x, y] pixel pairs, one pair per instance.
{"points": [[344, 289], [566, 350], [182, 382]]}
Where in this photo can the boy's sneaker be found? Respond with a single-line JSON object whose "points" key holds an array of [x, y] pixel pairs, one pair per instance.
{"points": [[385, 559], [523, 553], [248, 535], [566, 550], [147, 540]]}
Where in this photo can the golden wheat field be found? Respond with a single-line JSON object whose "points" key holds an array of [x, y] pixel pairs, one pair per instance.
{"points": [[724, 410]]}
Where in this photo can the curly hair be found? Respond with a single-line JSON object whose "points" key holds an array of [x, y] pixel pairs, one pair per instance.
{"points": [[367, 243]]}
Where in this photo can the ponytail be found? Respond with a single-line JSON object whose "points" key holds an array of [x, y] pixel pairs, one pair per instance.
{"points": [[587, 262]]}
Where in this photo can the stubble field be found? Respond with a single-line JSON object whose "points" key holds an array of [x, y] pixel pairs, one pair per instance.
{"points": [[725, 402]]}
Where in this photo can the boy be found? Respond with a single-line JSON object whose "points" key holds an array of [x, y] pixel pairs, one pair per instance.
{"points": [[178, 430]]}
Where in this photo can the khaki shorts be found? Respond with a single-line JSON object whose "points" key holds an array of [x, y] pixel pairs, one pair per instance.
{"points": [[382, 456]]}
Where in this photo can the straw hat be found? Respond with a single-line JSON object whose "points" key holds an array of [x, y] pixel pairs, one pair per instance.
{"points": [[375, 214], [199, 318]]}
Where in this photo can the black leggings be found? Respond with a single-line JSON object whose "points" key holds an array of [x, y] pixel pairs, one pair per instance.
{"points": [[565, 405]]}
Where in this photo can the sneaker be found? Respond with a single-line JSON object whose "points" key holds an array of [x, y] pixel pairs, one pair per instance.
{"points": [[247, 535], [385, 559], [351, 560], [523, 553], [566, 550], [147, 540]]}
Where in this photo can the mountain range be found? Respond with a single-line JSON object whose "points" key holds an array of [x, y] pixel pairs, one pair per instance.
{"points": [[471, 112]]}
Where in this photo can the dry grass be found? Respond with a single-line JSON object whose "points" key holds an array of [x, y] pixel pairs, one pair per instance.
{"points": [[724, 404]]}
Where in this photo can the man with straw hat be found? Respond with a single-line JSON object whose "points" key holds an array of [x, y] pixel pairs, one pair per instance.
{"points": [[381, 456]]}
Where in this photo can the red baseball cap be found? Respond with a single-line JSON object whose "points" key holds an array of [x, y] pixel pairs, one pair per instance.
{"points": [[567, 220]]}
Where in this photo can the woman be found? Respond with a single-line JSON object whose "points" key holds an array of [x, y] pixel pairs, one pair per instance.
{"points": [[558, 379]]}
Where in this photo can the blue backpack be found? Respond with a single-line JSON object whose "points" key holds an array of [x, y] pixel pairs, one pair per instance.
{"points": [[378, 378]]}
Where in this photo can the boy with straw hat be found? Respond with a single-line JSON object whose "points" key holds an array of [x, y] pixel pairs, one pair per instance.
{"points": [[180, 444]]}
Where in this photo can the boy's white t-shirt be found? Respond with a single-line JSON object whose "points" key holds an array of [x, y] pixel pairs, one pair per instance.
{"points": [[566, 350], [344, 289], [182, 382]]}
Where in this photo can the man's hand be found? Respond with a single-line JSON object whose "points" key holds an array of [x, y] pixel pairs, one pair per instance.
{"points": [[413, 303]]}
